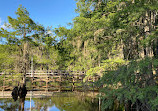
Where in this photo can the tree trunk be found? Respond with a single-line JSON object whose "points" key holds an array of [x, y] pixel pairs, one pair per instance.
{"points": [[25, 60]]}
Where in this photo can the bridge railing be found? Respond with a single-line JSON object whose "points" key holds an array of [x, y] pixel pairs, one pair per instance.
{"points": [[49, 80], [54, 73]]}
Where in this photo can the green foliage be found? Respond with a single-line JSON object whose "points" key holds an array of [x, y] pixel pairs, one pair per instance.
{"points": [[27, 39], [131, 82], [6, 58], [106, 65], [103, 40], [23, 25]]}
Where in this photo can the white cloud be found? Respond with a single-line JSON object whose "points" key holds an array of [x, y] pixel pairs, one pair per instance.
{"points": [[1, 24], [49, 32], [4, 25]]}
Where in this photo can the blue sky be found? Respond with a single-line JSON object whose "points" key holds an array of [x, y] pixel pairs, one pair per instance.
{"points": [[46, 12]]}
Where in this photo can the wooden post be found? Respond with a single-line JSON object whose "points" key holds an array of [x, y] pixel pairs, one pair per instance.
{"points": [[99, 102], [12, 78], [47, 79], [82, 83], [46, 85], [32, 80], [93, 84], [73, 83], [3, 82], [32, 67], [30, 100], [32, 73], [60, 80]]}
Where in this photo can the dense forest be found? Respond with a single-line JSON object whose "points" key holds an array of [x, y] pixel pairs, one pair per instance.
{"points": [[115, 39]]}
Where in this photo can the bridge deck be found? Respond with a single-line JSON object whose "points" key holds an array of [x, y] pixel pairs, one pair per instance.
{"points": [[36, 94], [42, 94]]}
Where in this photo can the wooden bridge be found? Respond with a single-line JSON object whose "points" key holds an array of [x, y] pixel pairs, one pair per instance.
{"points": [[52, 80], [43, 94]]}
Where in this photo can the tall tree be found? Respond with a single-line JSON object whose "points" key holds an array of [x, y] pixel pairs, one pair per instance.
{"points": [[25, 30]]}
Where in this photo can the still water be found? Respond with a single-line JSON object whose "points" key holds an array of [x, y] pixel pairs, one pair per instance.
{"points": [[59, 102]]}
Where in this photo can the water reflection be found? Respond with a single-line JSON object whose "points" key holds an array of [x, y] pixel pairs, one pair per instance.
{"points": [[19, 91], [57, 103], [21, 104]]}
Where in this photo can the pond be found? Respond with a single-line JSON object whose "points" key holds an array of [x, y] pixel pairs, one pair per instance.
{"points": [[57, 102]]}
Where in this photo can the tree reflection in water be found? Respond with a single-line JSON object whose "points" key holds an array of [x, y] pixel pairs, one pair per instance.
{"points": [[59, 103], [21, 105], [11, 105], [67, 103]]}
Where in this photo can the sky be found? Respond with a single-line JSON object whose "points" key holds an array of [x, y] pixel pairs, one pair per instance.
{"points": [[53, 13]]}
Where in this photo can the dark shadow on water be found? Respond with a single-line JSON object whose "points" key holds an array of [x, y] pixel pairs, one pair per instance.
{"points": [[19, 91]]}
